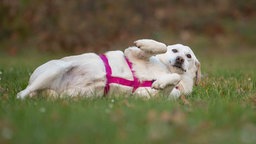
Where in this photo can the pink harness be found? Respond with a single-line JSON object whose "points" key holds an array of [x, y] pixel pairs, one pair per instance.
{"points": [[111, 79]]}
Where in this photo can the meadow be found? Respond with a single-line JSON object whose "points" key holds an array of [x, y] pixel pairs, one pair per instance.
{"points": [[221, 110], [221, 33]]}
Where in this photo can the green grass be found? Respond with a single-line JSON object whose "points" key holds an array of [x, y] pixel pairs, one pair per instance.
{"points": [[222, 108]]}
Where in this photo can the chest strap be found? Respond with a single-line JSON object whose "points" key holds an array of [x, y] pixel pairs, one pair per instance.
{"points": [[135, 83]]}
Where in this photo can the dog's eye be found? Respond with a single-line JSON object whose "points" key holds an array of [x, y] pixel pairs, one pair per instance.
{"points": [[174, 50], [189, 55]]}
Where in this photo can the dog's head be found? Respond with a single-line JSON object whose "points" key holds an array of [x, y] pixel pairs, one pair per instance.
{"points": [[181, 59]]}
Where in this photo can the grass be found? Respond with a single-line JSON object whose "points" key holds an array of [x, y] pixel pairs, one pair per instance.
{"points": [[222, 108]]}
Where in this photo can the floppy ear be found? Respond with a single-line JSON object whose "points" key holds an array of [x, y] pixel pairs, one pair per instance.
{"points": [[198, 72]]}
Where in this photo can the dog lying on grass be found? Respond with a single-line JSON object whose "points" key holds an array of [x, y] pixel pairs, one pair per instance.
{"points": [[145, 69]]}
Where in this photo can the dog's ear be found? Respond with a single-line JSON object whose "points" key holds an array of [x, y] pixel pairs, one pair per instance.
{"points": [[198, 72]]}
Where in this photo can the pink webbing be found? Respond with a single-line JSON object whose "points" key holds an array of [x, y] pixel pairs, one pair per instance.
{"points": [[111, 79]]}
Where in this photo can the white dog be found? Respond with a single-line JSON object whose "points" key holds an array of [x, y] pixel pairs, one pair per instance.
{"points": [[144, 69]]}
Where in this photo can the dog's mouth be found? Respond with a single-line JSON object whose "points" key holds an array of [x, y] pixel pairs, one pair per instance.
{"points": [[179, 67]]}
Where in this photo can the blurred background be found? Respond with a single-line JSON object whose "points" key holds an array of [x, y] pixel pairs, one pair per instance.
{"points": [[91, 25]]}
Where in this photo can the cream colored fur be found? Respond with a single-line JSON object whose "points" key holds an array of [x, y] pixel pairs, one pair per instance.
{"points": [[84, 75]]}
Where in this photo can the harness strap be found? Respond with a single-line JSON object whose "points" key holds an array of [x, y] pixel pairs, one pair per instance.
{"points": [[111, 79]]}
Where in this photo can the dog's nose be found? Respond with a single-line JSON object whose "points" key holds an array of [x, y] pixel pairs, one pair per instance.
{"points": [[179, 60]]}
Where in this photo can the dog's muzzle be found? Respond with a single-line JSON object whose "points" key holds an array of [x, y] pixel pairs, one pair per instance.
{"points": [[179, 61]]}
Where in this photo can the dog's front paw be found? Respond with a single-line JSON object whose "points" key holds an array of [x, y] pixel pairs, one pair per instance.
{"points": [[166, 81], [158, 85], [151, 46]]}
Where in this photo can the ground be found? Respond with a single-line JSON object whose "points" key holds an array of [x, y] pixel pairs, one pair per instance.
{"points": [[221, 110]]}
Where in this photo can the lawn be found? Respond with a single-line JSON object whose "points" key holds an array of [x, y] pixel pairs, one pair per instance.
{"points": [[221, 110]]}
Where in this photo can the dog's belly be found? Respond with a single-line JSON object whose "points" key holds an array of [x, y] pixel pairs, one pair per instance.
{"points": [[117, 89]]}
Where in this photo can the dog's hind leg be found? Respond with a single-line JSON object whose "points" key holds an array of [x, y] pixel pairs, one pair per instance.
{"points": [[46, 76]]}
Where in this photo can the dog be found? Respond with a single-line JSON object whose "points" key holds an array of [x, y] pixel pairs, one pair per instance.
{"points": [[146, 69]]}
